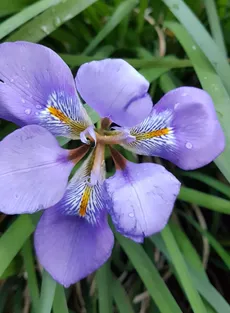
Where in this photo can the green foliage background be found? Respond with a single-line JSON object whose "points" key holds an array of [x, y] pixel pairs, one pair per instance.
{"points": [[186, 267]]}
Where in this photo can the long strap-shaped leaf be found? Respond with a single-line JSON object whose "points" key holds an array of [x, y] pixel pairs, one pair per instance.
{"points": [[203, 199], [44, 24], [47, 293], [104, 282], [25, 15], [28, 258], [13, 239], [60, 303], [150, 276], [211, 82], [195, 267], [182, 271], [202, 38], [119, 14]]}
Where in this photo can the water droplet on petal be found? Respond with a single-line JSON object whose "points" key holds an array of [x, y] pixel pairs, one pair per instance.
{"points": [[188, 145], [176, 105], [38, 106], [23, 100], [12, 80], [131, 214], [36, 113], [28, 111], [184, 94]]}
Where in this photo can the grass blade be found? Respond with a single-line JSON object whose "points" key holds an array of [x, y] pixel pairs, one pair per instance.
{"points": [[167, 62], [182, 271], [215, 26], [47, 293], [103, 280], [141, 15], [44, 24], [202, 38], [25, 15], [121, 298], [196, 270], [224, 255], [205, 200], [150, 276], [13, 239], [119, 14], [27, 254], [211, 82], [212, 182], [12, 6], [60, 304]]}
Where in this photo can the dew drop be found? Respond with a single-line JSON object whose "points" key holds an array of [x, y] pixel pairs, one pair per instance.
{"points": [[188, 145], [184, 94], [28, 111], [175, 6], [38, 106], [176, 105], [193, 47], [23, 100], [205, 77], [36, 113], [12, 80], [45, 29], [131, 215], [68, 17], [57, 21]]}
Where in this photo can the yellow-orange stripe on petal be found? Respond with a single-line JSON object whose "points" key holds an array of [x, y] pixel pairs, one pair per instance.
{"points": [[77, 126], [152, 134], [84, 201], [58, 114]]}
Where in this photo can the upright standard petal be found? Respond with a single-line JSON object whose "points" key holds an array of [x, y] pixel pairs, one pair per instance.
{"points": [[141, 198], [34, 170], [37, 87], [115, 90], [182, 128], [69, 247]]}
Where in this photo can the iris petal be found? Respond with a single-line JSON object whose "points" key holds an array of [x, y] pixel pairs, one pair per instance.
{"points": [[115, 90], [37, 87], [182, 128], [34, 170], [70, 248], [83, 198], [141, 198]]}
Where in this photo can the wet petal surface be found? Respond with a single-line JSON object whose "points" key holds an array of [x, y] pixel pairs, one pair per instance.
{"points": [[34, 170], [141, 199], [115, 90], [182, 129], [82, 198], [69, 247], [37, 87]]}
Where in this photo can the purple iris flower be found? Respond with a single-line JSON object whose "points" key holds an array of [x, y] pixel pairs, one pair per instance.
{"points": [[38, 92]]}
